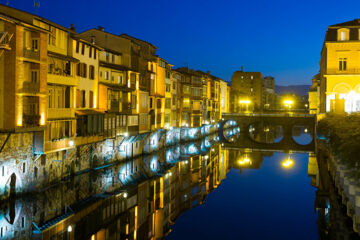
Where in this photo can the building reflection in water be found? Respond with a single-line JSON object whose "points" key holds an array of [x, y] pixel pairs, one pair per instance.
{"points": [[142, 198], [138, 199], [333, 222]]}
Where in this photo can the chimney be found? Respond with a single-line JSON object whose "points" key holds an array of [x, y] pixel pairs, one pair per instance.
{"points": [[100, 28], [72, 27], [242, 68], [208, 72]]}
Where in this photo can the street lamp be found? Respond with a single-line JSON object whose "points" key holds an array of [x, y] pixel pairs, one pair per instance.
{"points": [[288, 103]]}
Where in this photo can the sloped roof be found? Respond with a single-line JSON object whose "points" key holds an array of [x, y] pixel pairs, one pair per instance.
{"points": [[352, 23], [134, 38]]}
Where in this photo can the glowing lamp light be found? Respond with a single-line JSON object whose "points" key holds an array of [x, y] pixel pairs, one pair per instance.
{"points": [[126, 134], [71, 143], [245, 101], [288, 103], [42, 119], [125, 194], [69, 229], [306, 130], [19, 121], [288, 163]]}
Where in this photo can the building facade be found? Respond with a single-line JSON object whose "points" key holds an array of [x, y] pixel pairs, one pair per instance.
{"points": [[340, 69]]}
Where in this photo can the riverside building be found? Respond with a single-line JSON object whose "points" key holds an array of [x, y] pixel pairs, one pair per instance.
{"points": [[70, 101]]}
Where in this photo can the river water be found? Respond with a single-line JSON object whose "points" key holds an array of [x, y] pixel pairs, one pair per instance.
{"points": [[197, 190]]}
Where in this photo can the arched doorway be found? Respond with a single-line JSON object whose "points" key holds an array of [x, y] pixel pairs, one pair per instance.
{"points": [[12, 184]]}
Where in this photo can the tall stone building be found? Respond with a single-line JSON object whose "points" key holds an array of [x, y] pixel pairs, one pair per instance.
{"points": [[247, 90]]}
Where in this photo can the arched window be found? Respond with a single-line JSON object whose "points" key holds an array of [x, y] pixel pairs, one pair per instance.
{"points": [[343, 34]]}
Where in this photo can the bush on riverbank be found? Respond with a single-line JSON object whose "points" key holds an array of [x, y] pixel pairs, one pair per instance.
{"points": [[342, 133]]}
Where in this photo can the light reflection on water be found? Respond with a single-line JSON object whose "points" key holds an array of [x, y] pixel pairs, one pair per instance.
{"points": [[197, 190]]}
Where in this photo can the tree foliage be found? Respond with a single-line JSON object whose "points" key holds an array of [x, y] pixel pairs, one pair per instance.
{"points": [[342, 133]]}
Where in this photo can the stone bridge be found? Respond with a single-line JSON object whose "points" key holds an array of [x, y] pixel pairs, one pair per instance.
{"points": [[287, 120]]}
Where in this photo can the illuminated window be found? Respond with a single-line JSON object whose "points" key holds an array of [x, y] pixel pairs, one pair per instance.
{"points": [[342, 64], [342, 36]]}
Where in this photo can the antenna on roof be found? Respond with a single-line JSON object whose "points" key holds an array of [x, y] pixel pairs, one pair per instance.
{"points": [[36, 6]]}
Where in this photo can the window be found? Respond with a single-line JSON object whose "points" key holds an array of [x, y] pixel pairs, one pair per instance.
{"points": [[133, 102], [167, 118], [107, 56], [151, 103], [120, 79], [81, 70], [77, 98], [168, 87], [34, 76], [342, 36], [342, 64], [106, 75], [91, 72], [112, 58], [35, 44], [133, 120], [90, 52], [186, 103], [91, 100], [83, 98], [77, 46], [83, 49], [168, 103]]}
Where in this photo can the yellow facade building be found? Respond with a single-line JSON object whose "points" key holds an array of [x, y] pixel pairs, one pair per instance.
{"points": [[340, 69]]}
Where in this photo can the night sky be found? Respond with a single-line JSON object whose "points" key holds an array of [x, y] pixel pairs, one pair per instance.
{"points": [[276, 37]]}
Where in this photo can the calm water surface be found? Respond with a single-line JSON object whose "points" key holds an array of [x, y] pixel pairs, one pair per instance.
{"points": [[269, 202]]}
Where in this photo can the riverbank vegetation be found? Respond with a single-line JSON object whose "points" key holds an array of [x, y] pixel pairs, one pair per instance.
{"points": [[342, 135]]}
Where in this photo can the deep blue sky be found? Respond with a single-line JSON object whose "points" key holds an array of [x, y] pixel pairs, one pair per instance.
{"points": [[276, 37]]}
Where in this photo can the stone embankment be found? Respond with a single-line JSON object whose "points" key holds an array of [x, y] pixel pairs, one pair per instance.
{"points": [[347, 186], [22, 171]]}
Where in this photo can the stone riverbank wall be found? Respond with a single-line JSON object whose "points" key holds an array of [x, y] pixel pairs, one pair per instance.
{"points": [[22, 171], [347, 186]]}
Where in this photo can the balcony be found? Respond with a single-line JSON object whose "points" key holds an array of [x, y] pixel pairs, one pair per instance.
{"points": [[62, 79], [32, 54], [114, 106], [61, 113], [350, 71], [31, 120], [31, 87]]}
